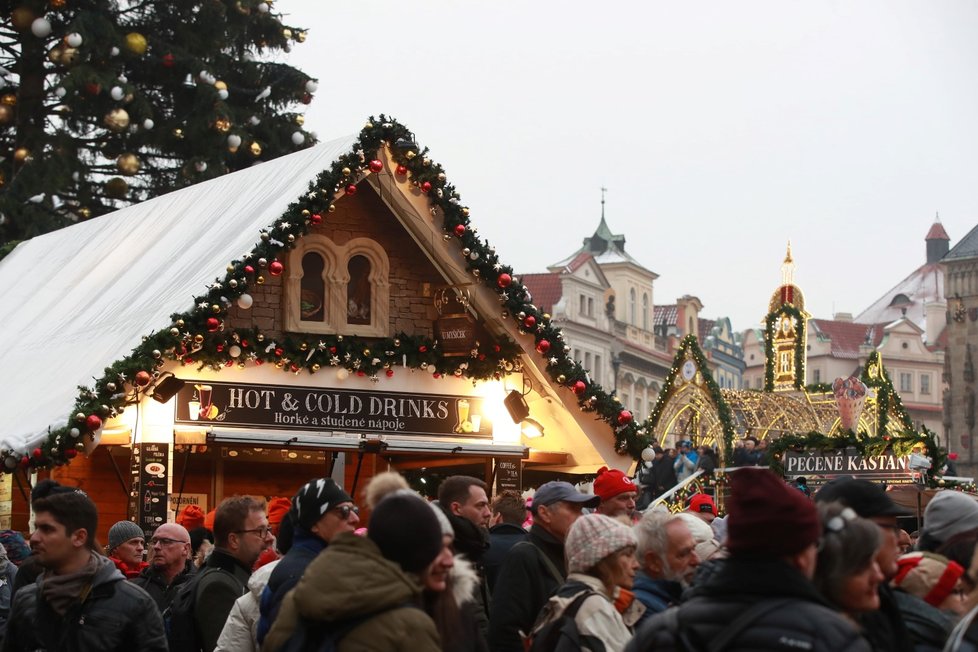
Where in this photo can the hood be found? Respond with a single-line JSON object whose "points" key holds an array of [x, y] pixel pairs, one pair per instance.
{"points": [[259, 579], [351, 578], [464, 580]]}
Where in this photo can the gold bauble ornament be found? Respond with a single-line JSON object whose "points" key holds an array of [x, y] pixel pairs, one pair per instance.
{"points": [[136, 43], [128, 163], [22, 17], [116, 120], [345, 172], [21, 154], [57, 4], [178, 133], [300, 37], [68, 56], [9, 99], [6, 113], [84, 212], [55, 54], [300, 120], [223, 125], [255, 149], [116, 187], [287, 33], [198, 338], [221, 86]]}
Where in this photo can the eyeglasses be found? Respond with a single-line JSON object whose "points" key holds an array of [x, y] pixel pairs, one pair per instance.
{"points": [[344, 511], [262, 532], [163, 541]]}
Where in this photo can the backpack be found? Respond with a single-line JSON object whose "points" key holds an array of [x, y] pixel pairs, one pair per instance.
{"points": [[560, 633], [179, 619], [315, 636]]}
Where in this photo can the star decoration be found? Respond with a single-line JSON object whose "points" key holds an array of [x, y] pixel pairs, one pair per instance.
{"points": [[356, 363], [285, 226], [321, 346], [553, 361], [203, 305], [333, 361]]}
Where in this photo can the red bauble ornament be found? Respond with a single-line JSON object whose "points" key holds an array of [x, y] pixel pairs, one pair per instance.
{"points": [[351, 189], [624, 417], [426, 187], [543, 346], [361, 373], [422, 349], [307, 98], [375, 166], [169, 60], [213, 323], [294, 367], [279, 351], [390, 373], [579, 387], [93, 422], [503, 280], [276, 268], [332, 349], [220, 348], [315, 218], [249, 269], [37, 453], [459, 229], [71, 453], [25, 461], [142, 378], [92, 88], [436, 375], [530, 321], [401, 170]]}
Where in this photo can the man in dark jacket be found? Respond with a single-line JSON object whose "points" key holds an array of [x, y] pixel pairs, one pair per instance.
{"points": [[320, 511], [761, 597], [884, 627], [666, 555], [81, 602], [169, 564], [508, 514], [241, 533], [534, 569]]}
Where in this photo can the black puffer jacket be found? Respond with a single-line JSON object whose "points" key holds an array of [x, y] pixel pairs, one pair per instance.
{"points": [[153, 582], [116, 616], [799, 619]]}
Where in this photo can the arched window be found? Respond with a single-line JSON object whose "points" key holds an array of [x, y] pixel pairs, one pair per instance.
{"points": [[358, 291], [312, 298], [631, 307], [645, 311]]}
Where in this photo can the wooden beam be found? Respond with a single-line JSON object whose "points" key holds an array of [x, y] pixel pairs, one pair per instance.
{"points": [[543, 457], [433, 463]]}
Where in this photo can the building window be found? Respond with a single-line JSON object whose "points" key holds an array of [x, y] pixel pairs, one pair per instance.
{"points": [[590, 307], [638, 407], [631, 307], [651, 406], [597, 369], [583, 308], [645, 311], [624, 399], [758, 383], [334, 289], [925, 383], [906, 381], [587, 361], [816, 375]]}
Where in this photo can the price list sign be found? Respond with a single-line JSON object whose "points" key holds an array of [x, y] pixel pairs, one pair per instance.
{"points": [[149, 495]]}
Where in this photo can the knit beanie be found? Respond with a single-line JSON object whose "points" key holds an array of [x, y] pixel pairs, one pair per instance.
{"points": [[948, 513], [15, 545], [767, 517], [314, 499], [277, 508], [928, 576], [406, 530], [593, 537], [611, 482], [209, 519], [191, 517], [122, 532]]}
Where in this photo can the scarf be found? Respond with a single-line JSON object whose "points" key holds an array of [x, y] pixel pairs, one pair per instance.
{"points": [[61, 591]]}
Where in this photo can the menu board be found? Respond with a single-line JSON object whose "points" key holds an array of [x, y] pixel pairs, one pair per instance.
{"points": [[150, 465], [509, 475]]}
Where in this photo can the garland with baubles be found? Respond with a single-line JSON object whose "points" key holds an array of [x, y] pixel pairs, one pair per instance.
{"points": [[199, 337]]}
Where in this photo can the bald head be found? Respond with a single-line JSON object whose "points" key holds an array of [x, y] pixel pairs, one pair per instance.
{"points": [[170, 549]]}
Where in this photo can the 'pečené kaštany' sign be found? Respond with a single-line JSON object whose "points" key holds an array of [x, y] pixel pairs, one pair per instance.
{"points": [[847, 462]]}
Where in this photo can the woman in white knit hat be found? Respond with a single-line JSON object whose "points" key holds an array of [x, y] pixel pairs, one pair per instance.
{"points": [[601, 567]]}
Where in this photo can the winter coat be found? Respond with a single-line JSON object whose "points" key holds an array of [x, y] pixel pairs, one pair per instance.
{"points": [[884, 628], [601, 627], [524, 584], [799, 619], [305, 547], [216, 594], [656, 595], [351, 580], [154, 583], [929, 627], [115, 616], [502, 537], [463, 583], [8, 573], [240, 631], [685, 464], [472, 541]]}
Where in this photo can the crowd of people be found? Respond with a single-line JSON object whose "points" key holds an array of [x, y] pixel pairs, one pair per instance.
{"points": [[782, 570]]}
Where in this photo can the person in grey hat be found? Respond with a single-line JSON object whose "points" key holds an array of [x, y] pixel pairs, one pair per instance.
{"points": [[126, 544], [534, 569], [948, 513]]}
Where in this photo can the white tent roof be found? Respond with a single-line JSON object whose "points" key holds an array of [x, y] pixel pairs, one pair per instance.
{"points": [[78, 299]]}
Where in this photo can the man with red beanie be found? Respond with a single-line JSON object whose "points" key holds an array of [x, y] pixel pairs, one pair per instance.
{"points": [[761, 597], [617, 491]]}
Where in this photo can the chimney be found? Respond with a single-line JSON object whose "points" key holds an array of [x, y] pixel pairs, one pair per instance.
{"points": [[934, 320]]}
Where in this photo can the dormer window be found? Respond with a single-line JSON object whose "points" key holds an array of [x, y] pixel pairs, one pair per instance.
{"points": [[335, 289]]}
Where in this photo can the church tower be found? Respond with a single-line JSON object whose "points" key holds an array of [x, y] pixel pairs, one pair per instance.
{"points": [[785, 334]]}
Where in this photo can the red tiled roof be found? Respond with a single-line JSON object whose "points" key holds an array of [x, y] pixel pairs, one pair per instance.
{"points": [[846, 337], [665, 315], [937, 232], [705, 326], [545, 289], [578, 260]]}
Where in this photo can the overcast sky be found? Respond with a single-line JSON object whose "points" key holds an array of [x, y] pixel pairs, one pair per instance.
{"points": [[721, 129]]}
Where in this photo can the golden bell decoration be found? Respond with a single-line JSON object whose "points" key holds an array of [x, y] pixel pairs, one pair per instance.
{"points": [[223, 125], [136, 43], [21, 154], [6, 114], [9, 100], [255, 149], [128, 163], [116, 187], [116, 120]]}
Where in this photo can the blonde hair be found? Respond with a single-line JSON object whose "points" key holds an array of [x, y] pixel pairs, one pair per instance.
{"points": [[382, 485]]}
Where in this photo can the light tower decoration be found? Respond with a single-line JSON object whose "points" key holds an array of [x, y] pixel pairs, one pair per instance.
{"points": [[785, 334]]}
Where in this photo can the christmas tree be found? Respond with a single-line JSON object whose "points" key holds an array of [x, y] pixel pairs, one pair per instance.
{"points": [[104, 103]]}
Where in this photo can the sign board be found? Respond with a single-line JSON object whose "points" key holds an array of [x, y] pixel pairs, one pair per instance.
{"points": [[6, 500], [148, 500], [325, 409], [509, 475], [200, 500], [849, 462]]}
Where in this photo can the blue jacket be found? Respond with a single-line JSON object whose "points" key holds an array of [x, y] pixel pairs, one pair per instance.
{"points": [[305, 548], [656, 595], [502, 537]]}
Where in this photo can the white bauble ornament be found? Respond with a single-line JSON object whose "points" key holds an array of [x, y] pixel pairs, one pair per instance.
{"points": [[298, 138], [311, 86], [245, 301], [148, 124], [74, 40], [117, 93], [234, 140], [41, 28]]}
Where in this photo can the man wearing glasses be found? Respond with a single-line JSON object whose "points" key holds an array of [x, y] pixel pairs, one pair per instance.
{"points": [[241, 533], [320, 511], [169, 564]]}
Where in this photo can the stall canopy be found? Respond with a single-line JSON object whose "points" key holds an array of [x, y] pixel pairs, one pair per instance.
{"points": [[83, 298]]}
